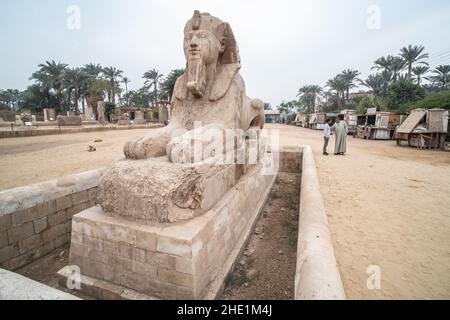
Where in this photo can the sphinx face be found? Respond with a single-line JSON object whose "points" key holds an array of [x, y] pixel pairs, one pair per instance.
{"points": [[203, 45]]}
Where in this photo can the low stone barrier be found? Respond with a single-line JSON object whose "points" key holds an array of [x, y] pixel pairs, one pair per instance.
{"points": [[317, 276], [36, 219], [69, 120], [16, 287], [28, 132]]}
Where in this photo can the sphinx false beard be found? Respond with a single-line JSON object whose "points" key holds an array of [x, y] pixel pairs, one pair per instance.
{"points": [[196, 72]]}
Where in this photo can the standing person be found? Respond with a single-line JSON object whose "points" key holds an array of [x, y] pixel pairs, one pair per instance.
{"points": [[326, 136], [341, 130]]}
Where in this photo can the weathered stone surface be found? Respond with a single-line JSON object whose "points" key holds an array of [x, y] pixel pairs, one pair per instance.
{"points": [[20, 233], [17, 287], [80, 197], [101, 112], [41, 224], [69, 120], [161, 191], [7, 253], [172, 260]]}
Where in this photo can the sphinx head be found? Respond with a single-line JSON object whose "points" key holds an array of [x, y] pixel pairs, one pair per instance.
{"points": [[208, 42]]}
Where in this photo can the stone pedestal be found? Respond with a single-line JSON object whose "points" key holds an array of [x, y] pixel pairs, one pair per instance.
{"points": [[101, 112], [49, 114], [139, 118], [184, 260], [88, 113], [163, 114]]}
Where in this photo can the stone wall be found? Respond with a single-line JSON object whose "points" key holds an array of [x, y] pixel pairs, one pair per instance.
{"points": [[36, 219]]}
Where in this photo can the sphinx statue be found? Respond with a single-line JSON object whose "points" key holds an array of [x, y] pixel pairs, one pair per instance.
{"points": [[211, 90], [161, 180]]}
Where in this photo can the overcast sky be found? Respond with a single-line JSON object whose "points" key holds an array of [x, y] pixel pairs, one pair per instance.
{"points": [[283, 44]]}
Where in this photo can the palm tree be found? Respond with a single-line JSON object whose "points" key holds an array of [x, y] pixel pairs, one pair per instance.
{"points": [[125, 80], [420, 72], [339, 85], [75, 80], [168, 84], [413, 55], [10, 98], [349, 77], [442, 76], [93, 70], [379, 84], [383, 63], [152, 78], [50, 77], [390, 64], [308, 94], [397, 65], [112, 74]]}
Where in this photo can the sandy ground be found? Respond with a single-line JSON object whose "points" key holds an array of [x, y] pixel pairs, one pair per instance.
{"points": [[35, 159], [387, 206]]}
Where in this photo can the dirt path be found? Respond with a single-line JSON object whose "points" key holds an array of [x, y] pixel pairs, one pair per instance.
{"points": [[387, 206], [35, 159], [266, 269]]}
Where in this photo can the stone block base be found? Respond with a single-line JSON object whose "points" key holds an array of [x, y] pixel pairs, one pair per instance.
{"points": [[139, 121], [183, 260]]}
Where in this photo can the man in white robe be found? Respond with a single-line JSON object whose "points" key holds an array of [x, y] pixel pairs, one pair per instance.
{"points": [[341, 130]]}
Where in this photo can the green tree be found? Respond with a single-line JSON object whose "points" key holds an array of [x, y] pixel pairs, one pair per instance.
{"points": [[152, 78], [50, 78], [420, 72], [441, 76], [308, 96], [125, 80], [401, 92], [413, 55], [440, 100], [339, 85], [349, 77], [112, 74], [75, 81], [168, 84]]}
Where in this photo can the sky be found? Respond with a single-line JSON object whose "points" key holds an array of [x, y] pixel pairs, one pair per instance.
{"points": [[284, 44]]}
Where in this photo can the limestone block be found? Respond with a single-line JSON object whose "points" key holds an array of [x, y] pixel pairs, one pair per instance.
{"points": [[46, 208], [5, 222], [7, 253], [57, 218], [53, 233], [160, 191], [3, 239], [176, 278], [64, 202], [41, 224], [80, 197], [22, 216], [69, 120], [20, 233]]}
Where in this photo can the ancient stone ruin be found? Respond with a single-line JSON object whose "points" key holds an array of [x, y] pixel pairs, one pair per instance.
{"points": [[177, 209]]}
